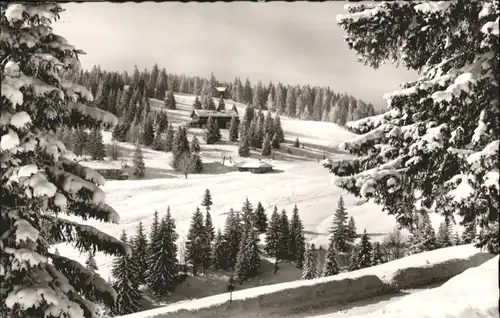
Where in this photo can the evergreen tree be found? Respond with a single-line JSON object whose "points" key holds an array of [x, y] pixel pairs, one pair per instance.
{"points": [[195, 163], [195, 145], [364, 254], [244, 146], [423, 237], [284, 237], [309, 268], [207, 200], [114, 151], [278, 129], [96, 145], [297, 243], [248, 260], [273, 234], [247, 215], [275, 142], [220, 252], [180, 149], [455, 119], [209, 227], [233, 129], [196, 242], [170, 102], [140, 253], [351, 230], [377, 256], [90, 263], [260, 218], [40, 103], [444, 238], [197, 103], [340, 230], [296, 143], [330, 266], [139, 167], [148, 131], [163, 267], [169, 140], [266, 146], [232, 237], [128, 296], [469, 233], [120, 132], [212, 133]]}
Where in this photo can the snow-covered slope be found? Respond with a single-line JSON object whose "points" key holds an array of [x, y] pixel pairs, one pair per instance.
{"points": [[472, 294]]}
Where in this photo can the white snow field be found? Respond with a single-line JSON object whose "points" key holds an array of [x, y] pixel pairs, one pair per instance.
{"points": [[303, 297]]}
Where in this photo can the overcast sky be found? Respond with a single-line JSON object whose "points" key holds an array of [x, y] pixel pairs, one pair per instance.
{"points": [[295, 43]]}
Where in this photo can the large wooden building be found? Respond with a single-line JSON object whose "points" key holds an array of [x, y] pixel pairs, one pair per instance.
{"points": [[255, 166], [199, 117]]}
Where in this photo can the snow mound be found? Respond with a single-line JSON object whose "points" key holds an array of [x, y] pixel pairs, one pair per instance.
{"points": [[472, 294]]}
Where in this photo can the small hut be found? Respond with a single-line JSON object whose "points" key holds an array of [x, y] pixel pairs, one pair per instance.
{"points": [[256, 166]]}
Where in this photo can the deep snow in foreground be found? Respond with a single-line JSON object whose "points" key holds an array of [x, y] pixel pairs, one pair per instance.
{"points": [[472, 294], [384, 271]]}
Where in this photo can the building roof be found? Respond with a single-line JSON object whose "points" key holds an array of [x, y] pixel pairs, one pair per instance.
{"points": [[213, 113], [256, 164], [221, 88]]}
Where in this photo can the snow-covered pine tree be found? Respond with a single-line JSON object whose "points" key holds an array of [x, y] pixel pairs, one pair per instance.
{"points": [[340, 232], [114, 151], [169, 138], [233, 129], [161, 121], [148, 131], [38, 180], [96, 145], [377, 256], [423, 238], [232, 236], [443, 237], [278, 129], [195, 163], [124, 271], [180, 149], [244, 145], [170, 102], [247, 213], [220, 252], [275, 143], [351, 230], [206, 202], [330, 266], [163, 266], [273, 234], [195, 145], [295, 229], [139, 166], [196, 242], [252, 248], [212, 132], [440, 135], [266, 146], [260, 218], [242, 266], [140, 253], [284, 237], [309, 268], [364, 254], [469, 233], [209, 227], [90, 263], [196, 103]]}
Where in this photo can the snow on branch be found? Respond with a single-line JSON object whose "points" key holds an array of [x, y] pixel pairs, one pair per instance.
{"points": [[476, 159], [434, 7], [101, 212], [84, 280], [82, 172], [76, 92], [86, 237], [25, 231], [366, 124], [24, 258], [365, 140]]}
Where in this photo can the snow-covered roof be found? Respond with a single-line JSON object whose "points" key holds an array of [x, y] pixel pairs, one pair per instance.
{"points": [[256, 164], [221, 88], [101, 165], [214, 113]]}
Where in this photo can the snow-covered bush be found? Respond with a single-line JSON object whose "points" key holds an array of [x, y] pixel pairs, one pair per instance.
{"points": [[437, 146], [37, 181]]}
